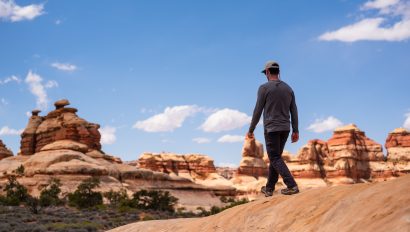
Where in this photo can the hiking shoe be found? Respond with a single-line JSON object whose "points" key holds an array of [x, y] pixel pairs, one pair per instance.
{"points": [[268, 193], [290, 191]]}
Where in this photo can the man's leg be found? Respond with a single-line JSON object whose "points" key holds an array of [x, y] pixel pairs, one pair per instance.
{"points": [[272, 141], [277, 141]]}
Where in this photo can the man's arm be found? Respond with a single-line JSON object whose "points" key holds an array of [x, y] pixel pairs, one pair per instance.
{"points": [[257, 112], [294, 119]]}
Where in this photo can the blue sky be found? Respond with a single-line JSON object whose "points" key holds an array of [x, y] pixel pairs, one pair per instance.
{"points": [[182, 76]]}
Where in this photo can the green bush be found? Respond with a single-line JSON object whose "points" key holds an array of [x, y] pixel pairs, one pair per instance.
{"points": [[118, 199], [49, 195], [155, 200], [15, 192], [84, 196]]}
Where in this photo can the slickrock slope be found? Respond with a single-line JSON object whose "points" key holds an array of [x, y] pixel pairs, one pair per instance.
{"points": [[194, 166], [383, 206], [4, 151]]}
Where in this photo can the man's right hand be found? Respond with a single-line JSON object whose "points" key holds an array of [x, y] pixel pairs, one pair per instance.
{"points": [[295, 137], [250, 135]]}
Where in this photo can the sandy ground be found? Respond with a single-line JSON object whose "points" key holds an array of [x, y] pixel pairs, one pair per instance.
{"points": [[383, 206]]}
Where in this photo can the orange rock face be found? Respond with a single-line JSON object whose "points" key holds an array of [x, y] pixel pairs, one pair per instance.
{"points": [[191, 165], [4, 151], [252, 163], [398, 145], [60, 124]]}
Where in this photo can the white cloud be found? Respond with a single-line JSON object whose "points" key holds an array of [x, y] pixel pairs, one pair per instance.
{"points": [[201, 140], [379, 4], [108, 135], [231, 139], [406, 123], [5, 130], [322, 125], [10, 11], [385, 26], [64, 66], [57, 22], [170, 119], [10, 79], [225, 120], [51, 84], [37, 88]]}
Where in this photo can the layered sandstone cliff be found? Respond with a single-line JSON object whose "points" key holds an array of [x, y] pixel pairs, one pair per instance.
{"points": [[4, 151], [190, 165]]}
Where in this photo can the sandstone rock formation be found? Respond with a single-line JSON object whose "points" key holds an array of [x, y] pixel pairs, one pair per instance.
{"points": [[382, 206], [398, 145], [62, 145], [252, 163], [191, 165], [4, 151], [60, 124]]}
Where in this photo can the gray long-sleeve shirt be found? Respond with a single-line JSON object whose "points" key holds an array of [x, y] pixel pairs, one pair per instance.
{"points": [[276, 99]]}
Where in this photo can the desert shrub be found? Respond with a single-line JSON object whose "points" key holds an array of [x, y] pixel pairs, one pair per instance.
{"points": [[216, 209], [85, 196], [118, 199], [33, 204], [20, 170], [155, 200], [15, 192], [49, 195]]}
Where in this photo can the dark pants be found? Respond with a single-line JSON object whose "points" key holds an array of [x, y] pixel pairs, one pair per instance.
{"points": [[275, 143]]}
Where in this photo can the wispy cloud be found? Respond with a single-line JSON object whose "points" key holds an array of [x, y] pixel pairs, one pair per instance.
{"points": [[231, 139], [10, 79], [377, 28], [4, 101], [5, 130], [108, 135], [201, 140], [406, 123], [64, 66], [38, 89], [169, 120], [327, 124], [10, 11], [225, 120]]}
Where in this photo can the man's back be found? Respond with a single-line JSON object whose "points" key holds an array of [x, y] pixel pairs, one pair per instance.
{"points": [[277, 101]]}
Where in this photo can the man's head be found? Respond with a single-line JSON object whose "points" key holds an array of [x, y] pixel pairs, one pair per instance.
{"points": [[271, 69]]}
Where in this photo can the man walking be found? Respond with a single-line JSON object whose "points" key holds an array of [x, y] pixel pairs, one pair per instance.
{"points": [[276, 99]]}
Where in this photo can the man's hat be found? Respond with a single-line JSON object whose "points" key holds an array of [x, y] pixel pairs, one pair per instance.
{"points": [[270, 64]]}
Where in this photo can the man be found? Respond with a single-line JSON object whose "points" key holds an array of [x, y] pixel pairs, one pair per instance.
{"points": [[276, 99]]}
